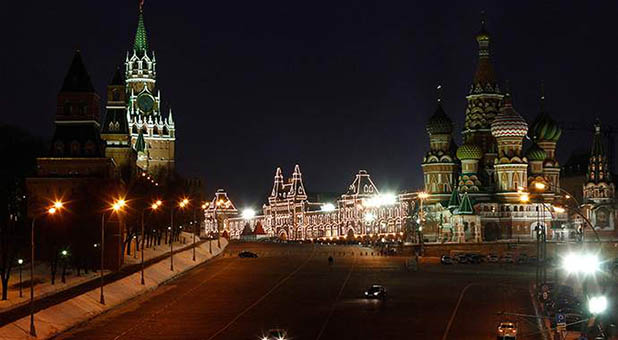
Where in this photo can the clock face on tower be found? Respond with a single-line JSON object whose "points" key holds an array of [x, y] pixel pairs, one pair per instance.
{"points": [[145, 102]]}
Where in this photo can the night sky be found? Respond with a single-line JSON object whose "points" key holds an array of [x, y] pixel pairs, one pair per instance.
{"points": [[333, 86]]}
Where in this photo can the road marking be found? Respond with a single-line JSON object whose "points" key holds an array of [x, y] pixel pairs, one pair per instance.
{"points": [[263, 296], [164, 308], [332, 311], [461, 295]]}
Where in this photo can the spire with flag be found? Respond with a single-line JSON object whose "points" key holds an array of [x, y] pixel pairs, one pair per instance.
{"points": [[140, 45]]}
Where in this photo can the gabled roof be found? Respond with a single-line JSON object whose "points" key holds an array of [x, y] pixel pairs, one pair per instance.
{"points": [[362, 185], [259, 230], [140, 143], [118, 78], [77, 78], [454, 201], [465, 207]]}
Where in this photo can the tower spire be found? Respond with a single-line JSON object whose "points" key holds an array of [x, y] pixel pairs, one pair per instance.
{"points": [[485, 72], [140, 44]]}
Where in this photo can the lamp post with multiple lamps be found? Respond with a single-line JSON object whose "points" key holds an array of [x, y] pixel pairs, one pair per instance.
{"points": [[56, 207], [541, 232], [116, 207], [154, 206], [421, 216]]}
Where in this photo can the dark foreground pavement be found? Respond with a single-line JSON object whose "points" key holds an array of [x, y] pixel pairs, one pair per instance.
{"points": [[293, 287]]}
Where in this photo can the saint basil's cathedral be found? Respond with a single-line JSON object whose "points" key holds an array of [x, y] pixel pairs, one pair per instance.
{"points": [[492, 187]]}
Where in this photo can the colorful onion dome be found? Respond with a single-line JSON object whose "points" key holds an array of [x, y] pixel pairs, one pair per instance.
{"points": [[509, 123], [536, 153], [469, 151], [545, 128], [439, 123]]}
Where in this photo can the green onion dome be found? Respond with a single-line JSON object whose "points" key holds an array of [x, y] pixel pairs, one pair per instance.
{"points": [[439, 123], [536, 153], [545, 128], [469, 151]]}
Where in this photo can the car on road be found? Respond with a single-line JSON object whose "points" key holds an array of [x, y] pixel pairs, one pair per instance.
{"points": [[507, 331], [376, 292], [474, 258], [493, 258], [506, 258], [247, 254], [445, 259], [461, 258], [276, 334]]}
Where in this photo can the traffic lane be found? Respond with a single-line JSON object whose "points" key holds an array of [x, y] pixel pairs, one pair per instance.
{"points": [[196, 304], [416, 306], [302, 304]]}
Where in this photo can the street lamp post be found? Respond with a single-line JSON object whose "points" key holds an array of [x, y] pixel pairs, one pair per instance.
{"points": [[52, 210], [116, 207], [181, 205], [20, 262], [154, 206]]}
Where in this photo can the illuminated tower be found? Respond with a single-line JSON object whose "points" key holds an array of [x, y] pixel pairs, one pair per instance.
{"points": [[484, 101], [509, 129], [144, 111], [439, 166], [115, 129], [546, 132]]}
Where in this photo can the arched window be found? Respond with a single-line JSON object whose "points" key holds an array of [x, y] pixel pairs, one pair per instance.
{"points": [[58, 148], [165, 131], [145, 131], [75, 148], [115, 95], [89, 148], [68, 109], [155, 131]]}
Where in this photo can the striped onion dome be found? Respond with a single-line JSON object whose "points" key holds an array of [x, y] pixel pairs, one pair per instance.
{"points": [[469, 151], [536, 153], [544, 128], [509, 123]]}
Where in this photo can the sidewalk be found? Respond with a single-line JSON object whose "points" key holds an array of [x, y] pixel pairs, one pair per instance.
{"points": [[65, 315], [43, 287]]}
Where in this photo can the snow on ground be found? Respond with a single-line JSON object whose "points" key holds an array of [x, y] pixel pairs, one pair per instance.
{"points": [[58, 318]]}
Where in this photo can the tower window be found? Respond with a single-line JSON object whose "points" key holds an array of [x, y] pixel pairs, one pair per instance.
{"points": [[74, 148], [67, 109], [155, 131], [115, 95], [134, 130]]}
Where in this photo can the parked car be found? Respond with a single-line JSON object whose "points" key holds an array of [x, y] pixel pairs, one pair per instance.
{"points": [[247, 254], [446, 260], [461, 258], [506, 258], [376, 292], [507, 330], [473, 258], [493, 258]]}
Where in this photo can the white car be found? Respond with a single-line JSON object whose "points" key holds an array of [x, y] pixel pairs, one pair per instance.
{"points": [[507, 331], [276, 334]]}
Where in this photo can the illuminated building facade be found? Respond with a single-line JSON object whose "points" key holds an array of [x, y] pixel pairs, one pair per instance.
{"points": [[475, 190], [360, 213]]}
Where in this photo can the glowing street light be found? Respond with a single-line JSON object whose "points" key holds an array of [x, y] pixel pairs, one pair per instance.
{"points": [[56, 206], [597, 304], [581, 263], [524, 197], [327, 207], [559, 209], [116, 207], [248, 214]]}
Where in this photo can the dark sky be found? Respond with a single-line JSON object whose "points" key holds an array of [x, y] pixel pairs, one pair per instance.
{"points": [[334, 86]]}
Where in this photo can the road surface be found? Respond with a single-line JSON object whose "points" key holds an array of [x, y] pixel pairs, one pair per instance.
{"points": [[293, 287]]}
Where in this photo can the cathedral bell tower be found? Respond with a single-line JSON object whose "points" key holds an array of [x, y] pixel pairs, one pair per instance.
{"points": [[144, 109]]}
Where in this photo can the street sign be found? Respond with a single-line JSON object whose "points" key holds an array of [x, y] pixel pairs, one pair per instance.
{"points": [[560, 318]]}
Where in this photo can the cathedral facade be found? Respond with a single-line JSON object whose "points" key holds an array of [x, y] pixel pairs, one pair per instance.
{"points": [[497, 178]]}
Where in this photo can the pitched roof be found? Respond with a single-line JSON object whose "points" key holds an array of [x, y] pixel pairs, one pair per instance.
{"points": [[118, 78], [259, 230], [454, 201], [140, 143], [465, 208], [77, 78]]}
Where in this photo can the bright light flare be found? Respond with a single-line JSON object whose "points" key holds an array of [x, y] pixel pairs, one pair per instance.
{"points": [[524, 198], [159, 203], [248, 214], [154, 206], [581, 263], [540, 185], [423, 195], [369, 217], [58, 205], [328, 207], [559, 209], [597, 304], [381, 200], [51, 210]]}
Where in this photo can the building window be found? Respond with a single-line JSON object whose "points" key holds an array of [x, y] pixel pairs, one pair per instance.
{"points": [[115, 95], [134, 130], [58, 148], [74, 148], [89, 148], [68, 109]]}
